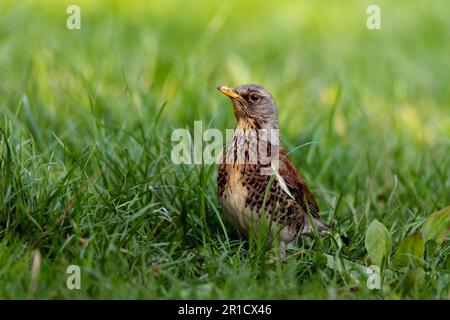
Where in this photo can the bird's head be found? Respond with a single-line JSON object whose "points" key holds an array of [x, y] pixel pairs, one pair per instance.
{"points": [[253, 106]]}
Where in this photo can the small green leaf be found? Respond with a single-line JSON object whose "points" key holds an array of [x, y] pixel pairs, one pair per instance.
{"points": [[410, 250], [319, 259], [413, 280], [430, 249], [356, 271], [437, 226], [378, 242]]}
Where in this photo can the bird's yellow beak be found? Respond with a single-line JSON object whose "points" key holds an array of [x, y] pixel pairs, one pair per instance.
{"points": [[229, 92]]}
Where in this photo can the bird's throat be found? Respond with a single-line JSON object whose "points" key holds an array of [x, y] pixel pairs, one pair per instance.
{"points": [[252, 144]]}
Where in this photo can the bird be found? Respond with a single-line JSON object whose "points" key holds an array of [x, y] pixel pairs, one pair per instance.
{"points": [[250, 188]]}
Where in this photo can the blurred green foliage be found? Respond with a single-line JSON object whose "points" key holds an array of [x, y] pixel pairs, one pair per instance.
{"points": [[85, 170]]}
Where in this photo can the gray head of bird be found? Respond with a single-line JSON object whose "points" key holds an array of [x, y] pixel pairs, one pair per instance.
{"points": [[253, 106]]}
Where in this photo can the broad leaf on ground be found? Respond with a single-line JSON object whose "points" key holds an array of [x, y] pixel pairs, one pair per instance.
{"points": [[410, 251], [378, 242], [437, 226], [413, 280]]}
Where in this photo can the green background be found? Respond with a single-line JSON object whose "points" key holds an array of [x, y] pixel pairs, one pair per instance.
{"points": [[86, 176]]}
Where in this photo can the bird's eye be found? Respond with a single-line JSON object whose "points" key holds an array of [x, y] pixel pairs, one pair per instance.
{"points": [[253, 97]]}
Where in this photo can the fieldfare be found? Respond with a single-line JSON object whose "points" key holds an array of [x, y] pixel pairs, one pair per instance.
{"points": [[250, 186]]}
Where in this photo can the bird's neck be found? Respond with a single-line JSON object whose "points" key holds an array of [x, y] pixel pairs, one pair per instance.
{"points": [[252, 141], [251, 129], [249, 123]]}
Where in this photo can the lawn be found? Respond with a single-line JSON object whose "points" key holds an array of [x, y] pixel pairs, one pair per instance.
{"points": [[87, 179]]}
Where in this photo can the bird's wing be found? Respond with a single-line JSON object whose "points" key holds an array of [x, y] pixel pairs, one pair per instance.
{"points": [[296, 185]]}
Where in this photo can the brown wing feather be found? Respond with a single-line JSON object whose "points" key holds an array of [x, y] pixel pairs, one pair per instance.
{"points": [[297, 185]]}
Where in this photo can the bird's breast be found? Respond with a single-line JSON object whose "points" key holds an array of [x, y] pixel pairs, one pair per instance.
{"points": [[233, 199]]}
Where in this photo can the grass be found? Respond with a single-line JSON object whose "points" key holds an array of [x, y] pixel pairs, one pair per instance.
{"points": [[86, 176]]}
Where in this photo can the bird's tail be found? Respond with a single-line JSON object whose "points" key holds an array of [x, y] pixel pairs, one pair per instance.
{"points": [[322, 229], [319, 225]]}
